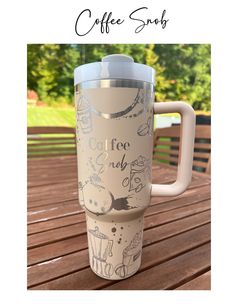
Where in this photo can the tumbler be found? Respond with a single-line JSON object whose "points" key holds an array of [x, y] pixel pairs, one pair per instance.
{"points": [[115, 110]]}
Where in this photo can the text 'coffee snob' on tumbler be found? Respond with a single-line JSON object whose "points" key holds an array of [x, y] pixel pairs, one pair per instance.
{"points": [[114, 110]]}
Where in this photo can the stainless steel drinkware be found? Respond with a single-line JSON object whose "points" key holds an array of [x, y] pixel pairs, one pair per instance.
{"points": [[115, 108]]}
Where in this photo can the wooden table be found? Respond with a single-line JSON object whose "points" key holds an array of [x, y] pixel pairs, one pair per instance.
{"points": [[176, 249]]}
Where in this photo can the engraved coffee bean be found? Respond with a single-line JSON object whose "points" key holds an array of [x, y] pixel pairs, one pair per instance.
{"points": [[143, 130], [121, 270]]}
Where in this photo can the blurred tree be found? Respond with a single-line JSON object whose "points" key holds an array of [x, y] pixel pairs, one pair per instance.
{"points": [[182, 70], [50, 70], [161, 83], [187, 68]]}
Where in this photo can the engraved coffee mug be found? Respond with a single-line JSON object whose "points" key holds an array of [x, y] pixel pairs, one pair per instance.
{"points": [[114, 110]]}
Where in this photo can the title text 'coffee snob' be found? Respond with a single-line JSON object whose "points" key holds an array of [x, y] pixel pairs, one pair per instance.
{"points": [[87, 21]]}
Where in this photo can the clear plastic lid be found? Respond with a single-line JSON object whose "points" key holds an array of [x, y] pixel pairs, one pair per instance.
{"points": [[116, 66]]}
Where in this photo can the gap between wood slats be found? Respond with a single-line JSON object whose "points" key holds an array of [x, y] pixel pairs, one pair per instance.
{"points": [[193, 185], [36, 164], [202, 282], [35, 192], [55, 182], [57, 161], [176, 152], [197, 198], [156, 269], [197, 145], [107, 283], [189, 278], [76, 199], [175, 160], [45, 242], [82, 213], [47, 178], [36, 189], [194, 198], [110, 283], [204, 217]]}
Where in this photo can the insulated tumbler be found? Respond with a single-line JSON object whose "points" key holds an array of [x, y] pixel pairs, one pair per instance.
{"points": [[114, 113]]}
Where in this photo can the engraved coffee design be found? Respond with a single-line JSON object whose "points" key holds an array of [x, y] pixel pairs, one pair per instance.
{"points": [[94, 203], [130, 255], [101, 249], [139, 174], [114, 178], [84, 119], [115, 105]]}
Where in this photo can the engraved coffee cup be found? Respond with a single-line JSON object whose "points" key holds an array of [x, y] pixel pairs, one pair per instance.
{"points": [[115, 108]]}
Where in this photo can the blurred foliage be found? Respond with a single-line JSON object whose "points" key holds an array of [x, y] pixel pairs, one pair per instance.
{"points": [[182, 70]]}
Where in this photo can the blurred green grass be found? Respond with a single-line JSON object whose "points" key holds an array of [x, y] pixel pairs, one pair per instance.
{"points": [[58, 116], [48, 116]]}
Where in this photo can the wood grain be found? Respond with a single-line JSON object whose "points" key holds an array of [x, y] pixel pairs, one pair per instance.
{"points": [[176, 244], [167, 143]]}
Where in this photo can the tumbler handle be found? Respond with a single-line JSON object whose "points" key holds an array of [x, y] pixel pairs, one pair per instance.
{"points": [[184, 172]]}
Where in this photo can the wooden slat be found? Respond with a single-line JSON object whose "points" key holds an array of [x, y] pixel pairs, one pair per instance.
{"points": [[73, 262], [54, 149], [169, 274], [61, 233], [51, 236], [47, 198], [42, 212], [162, 276], [73, 244], [202, 282], [175, 214], [51, 176], [53, 193], [57, 249], [50, 147], [50, 130], [168, 131], [208, 169], [175, 160], [176, 152], [158, 205], [205, 146], [50, 154], [160, 142], [201, 131], [189, 198], [176, 144], [201, 155], [199, 164], [58, 255], [44, 216], [166, 157], [201, 149], [52, 170], [62, 161], [56, 222], [168, 151], [52, 179]]}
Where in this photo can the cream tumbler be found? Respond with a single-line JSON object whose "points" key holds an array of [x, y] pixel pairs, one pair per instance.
{"points": [[114, 111]]}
